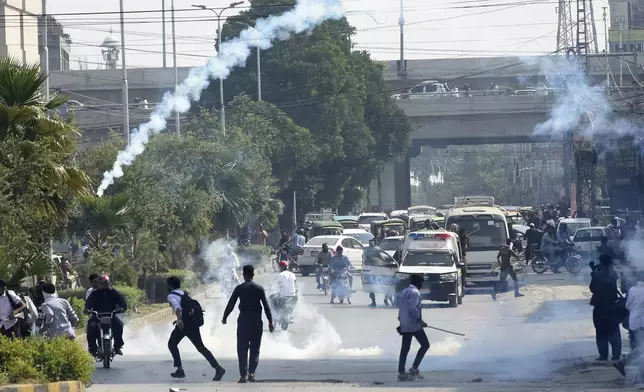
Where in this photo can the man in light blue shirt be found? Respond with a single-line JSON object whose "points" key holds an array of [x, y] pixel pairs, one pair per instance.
{"points": [[411, 326], [339, 262]]}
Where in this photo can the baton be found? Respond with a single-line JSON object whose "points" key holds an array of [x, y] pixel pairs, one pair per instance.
{"points": [[444, 330]]}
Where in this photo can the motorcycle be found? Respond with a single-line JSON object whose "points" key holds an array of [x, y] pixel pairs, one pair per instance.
{"points": [[283, 308], [566, 257], [106, 349], [284, 254], [324, 285], [340, 285]]}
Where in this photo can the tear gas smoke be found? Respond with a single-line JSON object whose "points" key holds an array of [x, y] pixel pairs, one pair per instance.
{"points": [[306, 15]]}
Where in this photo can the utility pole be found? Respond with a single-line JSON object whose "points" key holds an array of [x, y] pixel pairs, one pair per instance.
{"points": [[402, 68], [606, 50], [621, 56], [126, 99], [45, 44], [177, 119], [163, 33], [259, 74]]}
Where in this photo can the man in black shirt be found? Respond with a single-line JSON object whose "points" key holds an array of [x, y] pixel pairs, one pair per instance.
{"points": [[249, 323]]}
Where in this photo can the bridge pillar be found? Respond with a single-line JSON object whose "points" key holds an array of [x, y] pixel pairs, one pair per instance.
{"points": [[391, 189]]}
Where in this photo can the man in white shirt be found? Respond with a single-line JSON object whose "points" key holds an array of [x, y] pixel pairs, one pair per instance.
{"points": [[286, 281], [10, 307], [227, 273]]}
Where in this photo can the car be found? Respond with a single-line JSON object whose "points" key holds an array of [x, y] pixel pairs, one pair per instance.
{"points": [[359, 234], [353, 249], [392, 244], [587, 239], [574, 224]]}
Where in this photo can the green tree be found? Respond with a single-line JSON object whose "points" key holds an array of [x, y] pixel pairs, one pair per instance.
{"points": [[336, 93]]}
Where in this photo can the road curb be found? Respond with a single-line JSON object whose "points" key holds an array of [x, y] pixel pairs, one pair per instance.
{"points": [[63, 386], [167, 314]]}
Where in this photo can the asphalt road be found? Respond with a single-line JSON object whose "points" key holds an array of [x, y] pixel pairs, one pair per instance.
{"points": [[541, 341]]}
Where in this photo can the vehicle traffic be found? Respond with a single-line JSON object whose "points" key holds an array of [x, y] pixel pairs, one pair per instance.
{"points": [[353, 249]]}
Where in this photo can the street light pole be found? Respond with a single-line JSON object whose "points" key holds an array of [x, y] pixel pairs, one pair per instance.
{"points": [[165, 52], [126, 99], [222, 114], [177, 119], [259, 74], [45, 44]]}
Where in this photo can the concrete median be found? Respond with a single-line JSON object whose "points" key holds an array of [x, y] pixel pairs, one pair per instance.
{"points": [[63, 386]]}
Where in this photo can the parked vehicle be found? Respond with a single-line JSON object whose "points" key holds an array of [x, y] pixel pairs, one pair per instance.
{"points": [[353, 249]]}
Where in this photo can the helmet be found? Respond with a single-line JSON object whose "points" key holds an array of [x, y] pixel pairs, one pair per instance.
{"points": [[284, 264], [103, 279], [453, 227], [300, 231]]}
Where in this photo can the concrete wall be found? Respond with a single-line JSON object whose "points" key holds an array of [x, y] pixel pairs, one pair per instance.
{"points": [[19, 30]]}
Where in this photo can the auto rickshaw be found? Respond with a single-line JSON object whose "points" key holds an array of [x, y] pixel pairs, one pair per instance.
{"points": [[439, 220], [349, 223], [396, 225], [418, 222], [319, 228], [377, 229]]}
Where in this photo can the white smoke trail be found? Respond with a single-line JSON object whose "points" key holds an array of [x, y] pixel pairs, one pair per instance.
{"points": [[306, 15]]}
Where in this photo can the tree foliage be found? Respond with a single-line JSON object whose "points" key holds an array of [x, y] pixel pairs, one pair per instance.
{"points": [[334, 92]]}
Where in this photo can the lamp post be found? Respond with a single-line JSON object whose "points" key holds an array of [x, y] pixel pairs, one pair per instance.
{"points": [[221, 81], [126, 99], [177, 120]]}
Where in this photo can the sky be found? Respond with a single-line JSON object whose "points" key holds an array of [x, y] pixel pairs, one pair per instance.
{"points": [[434, 28]]}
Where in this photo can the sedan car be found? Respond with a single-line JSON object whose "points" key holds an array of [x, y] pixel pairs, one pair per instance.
{"points": [[353, 249], [363, 236]]}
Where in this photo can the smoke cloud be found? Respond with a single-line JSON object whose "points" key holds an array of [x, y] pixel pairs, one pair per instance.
{"points": [[306, 15]]}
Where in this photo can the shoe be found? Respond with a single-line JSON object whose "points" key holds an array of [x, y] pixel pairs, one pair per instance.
{"points": [[219, 374], [179, 373], [415, 374], [118, 351], [517, 295], [242, 380], [372, 305], [93, 353], [349, 301], [620, 368], [405, 377], [251, 377], [601, 359], [616, 358]]}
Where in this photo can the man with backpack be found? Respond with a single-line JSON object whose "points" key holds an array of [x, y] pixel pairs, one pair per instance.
{"points": [[189, 319], [11, 306]]}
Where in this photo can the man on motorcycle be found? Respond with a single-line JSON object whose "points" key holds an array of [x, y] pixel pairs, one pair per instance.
{"points": [[286, 288], [105, 300], [228, 271], [298, 240], [322, 262], [533, 237], [549, 244], [339, 262]]}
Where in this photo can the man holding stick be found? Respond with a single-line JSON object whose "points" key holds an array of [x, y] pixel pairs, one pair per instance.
{"points": [[411, 326]]}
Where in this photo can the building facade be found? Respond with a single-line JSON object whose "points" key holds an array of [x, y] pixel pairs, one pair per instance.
{"points": [[626, 26], [19, 30], [58, 43]]}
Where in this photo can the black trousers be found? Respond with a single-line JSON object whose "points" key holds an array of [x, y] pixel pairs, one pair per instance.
{"points": [[13, 332], [249, 340], [421, 337], [607, 333], [94, 333], [194, 335]]}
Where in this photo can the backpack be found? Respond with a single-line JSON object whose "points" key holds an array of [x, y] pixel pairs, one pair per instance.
{"points": [[191, 311], [25, 312]]}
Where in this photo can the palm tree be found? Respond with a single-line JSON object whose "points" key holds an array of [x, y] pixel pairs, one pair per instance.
{"points": [[101, 219], [33, 136]]}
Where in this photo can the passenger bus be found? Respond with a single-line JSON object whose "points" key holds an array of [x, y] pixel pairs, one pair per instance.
{"points": [[487, 230]]}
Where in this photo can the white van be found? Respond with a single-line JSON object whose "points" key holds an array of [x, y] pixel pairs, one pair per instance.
{"points": [[438, 257]]}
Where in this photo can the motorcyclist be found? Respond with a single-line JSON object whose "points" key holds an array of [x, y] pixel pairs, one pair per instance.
{"points": [[298, 240], [533, 236], [283, 239], [322, 262], [549, 244], [105, 299], [286, 287], [338, 263], [562, 234], [229, 265]]}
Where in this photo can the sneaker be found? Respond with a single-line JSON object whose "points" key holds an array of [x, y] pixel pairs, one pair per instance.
{"points": [[516, 295], [602, 359], [242, 380], [405, 377], [179, 373], [118, 351], [616, 358], [219, 373], [251, 377], [372, 305], [415, 374]]}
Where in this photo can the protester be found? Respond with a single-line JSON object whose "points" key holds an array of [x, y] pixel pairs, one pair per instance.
{"points": [[10, 307], [603, 286], [250, 327], [59, 316], [635, 307], [411, 326], [185, 327]]}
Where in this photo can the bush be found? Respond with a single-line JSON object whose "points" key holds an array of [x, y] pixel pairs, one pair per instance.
{"points": [[40, 360], [254, 255], [133, 296], [79, 308], [69, 294], [188, 278]]}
